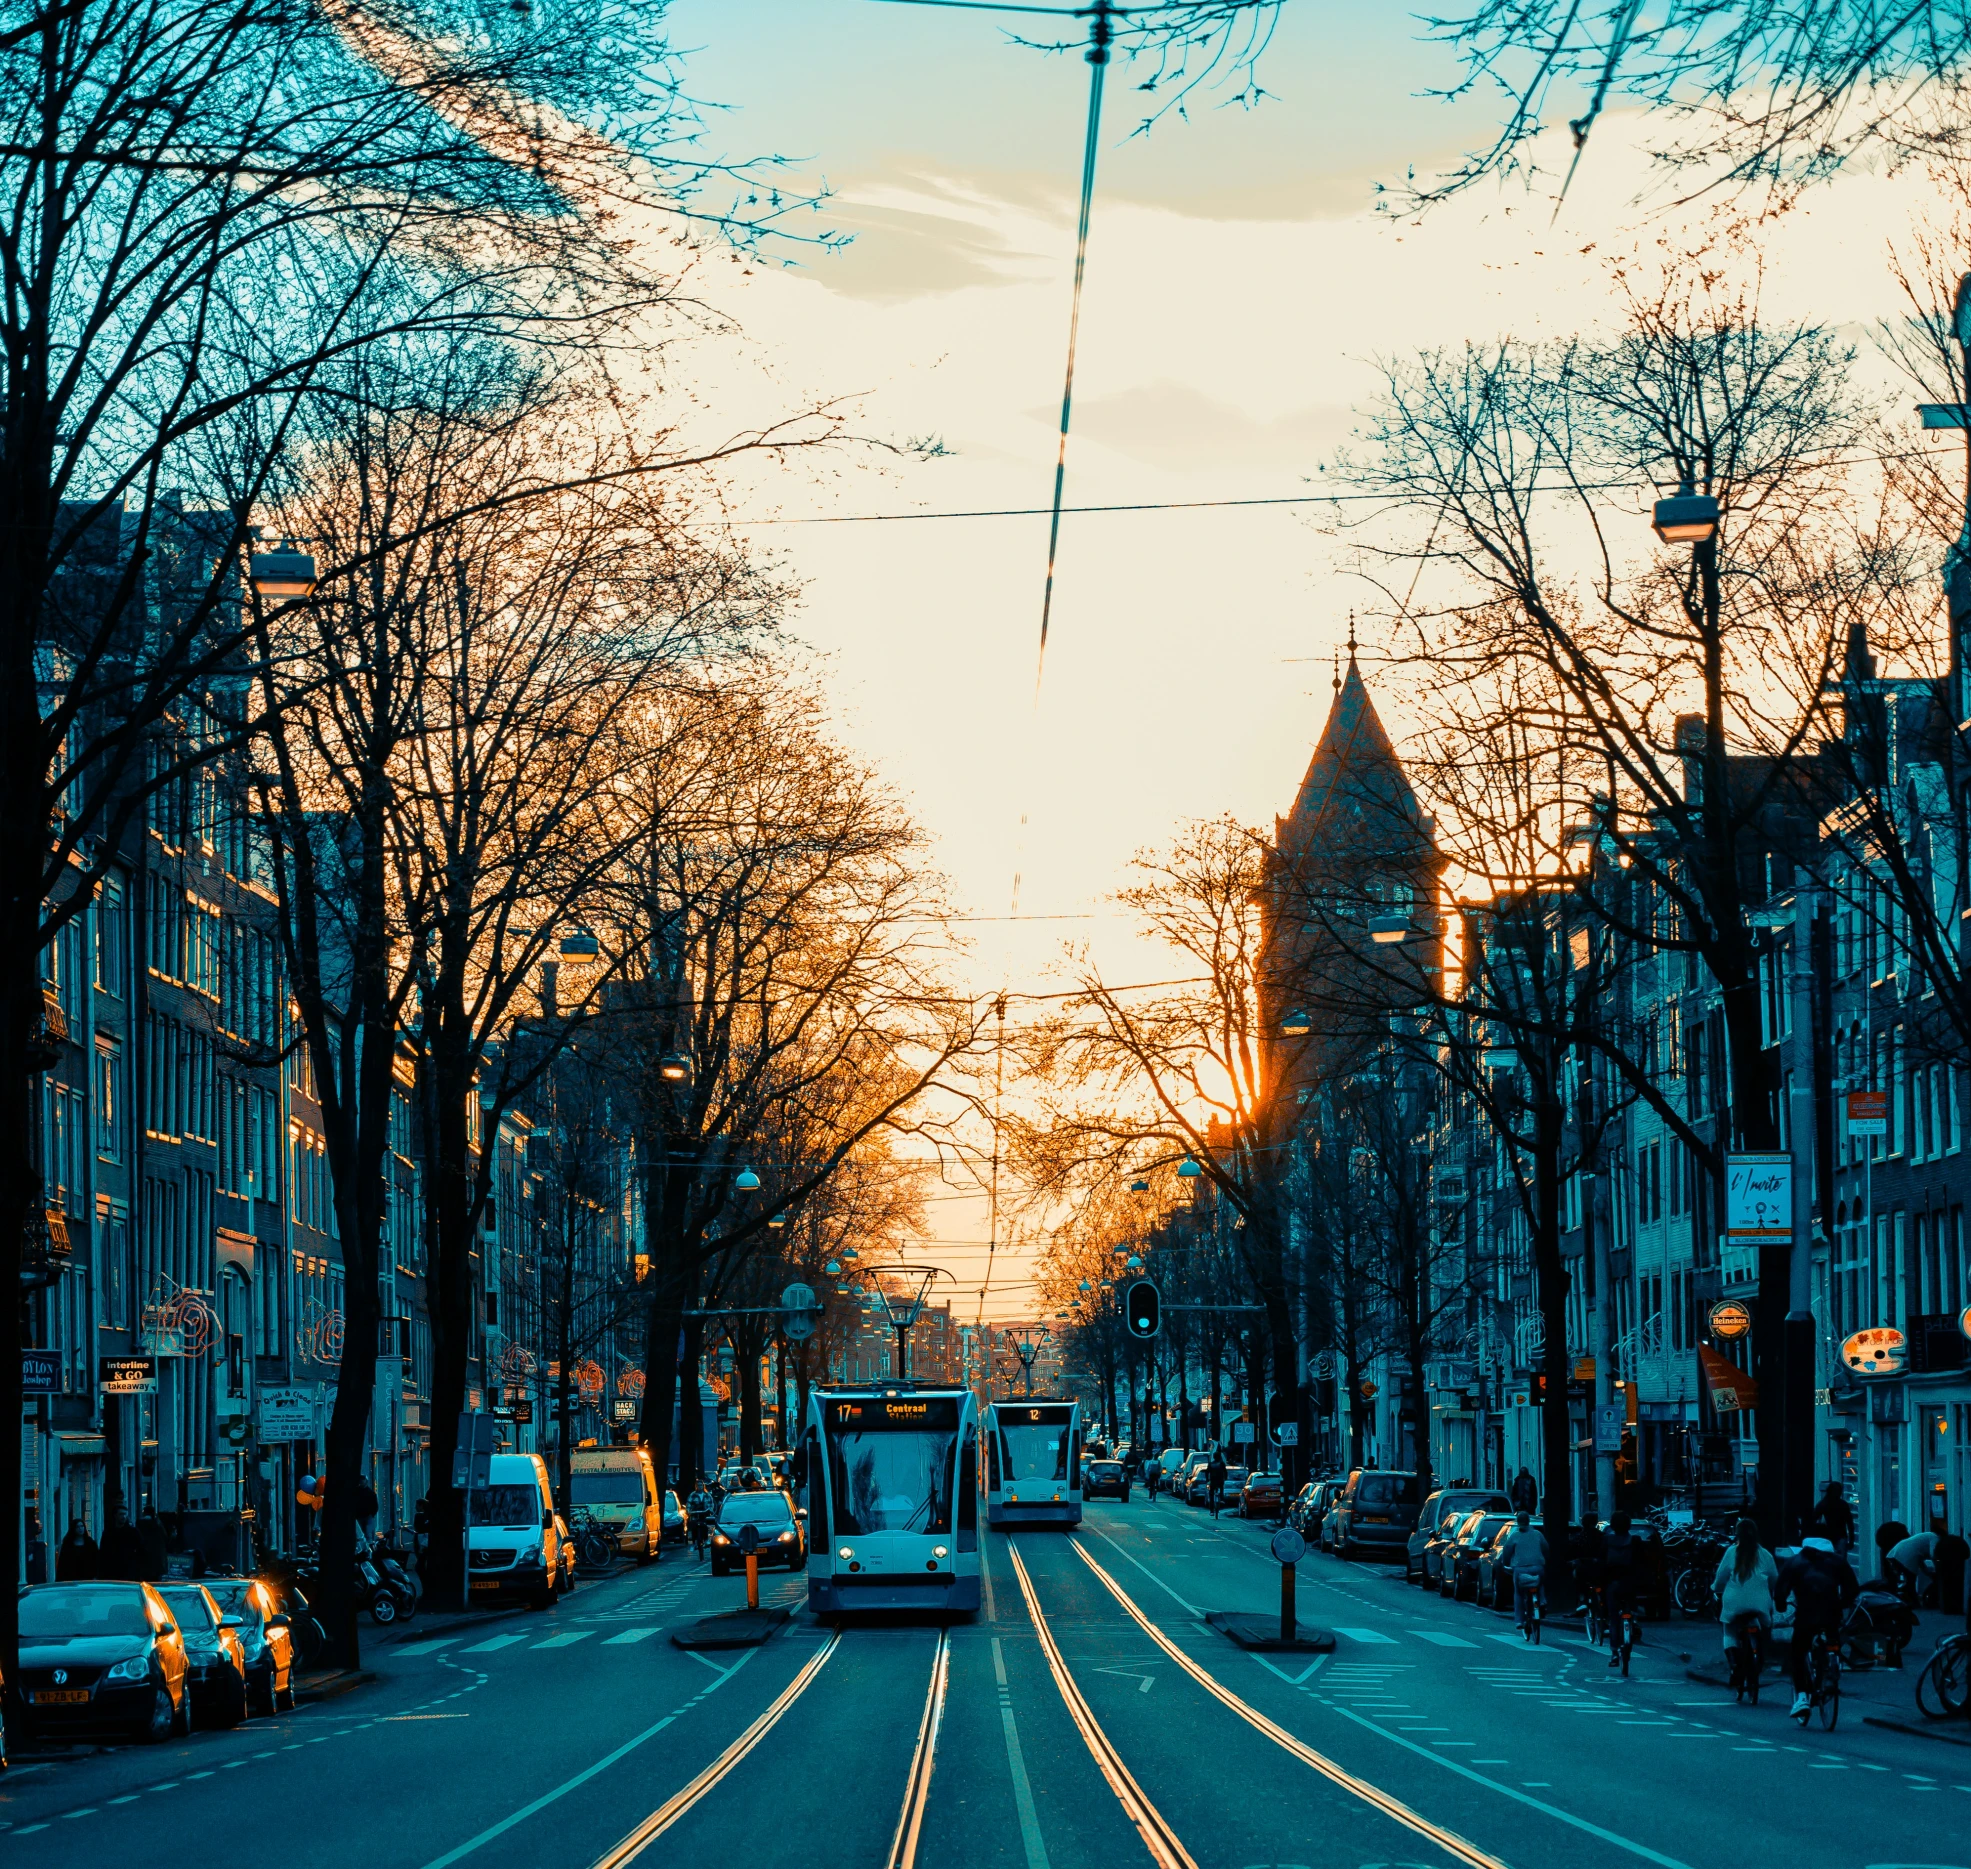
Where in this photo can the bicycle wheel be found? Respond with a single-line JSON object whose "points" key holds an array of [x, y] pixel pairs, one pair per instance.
{"points": [[1829, 1692], [1691, 1593], [1945, 1683]]}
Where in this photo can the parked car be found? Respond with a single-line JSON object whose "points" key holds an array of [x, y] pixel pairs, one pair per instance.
{"points": [[566, 1582], [1493, 1583], [677, 1522], [1235, 1484], [103, 1659], [1442, 1513], [218, 1662], [781, 1530], [1377, 1511], [1190, 1485], [248, 1607], [512, 1547], [1260, 1497], [1329, 1517], [1106, 1479], [1299, 1506], [1458, 1572]]}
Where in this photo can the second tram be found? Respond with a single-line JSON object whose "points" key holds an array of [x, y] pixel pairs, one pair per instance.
{"points": [[890, 1480], [1033, 1462]]}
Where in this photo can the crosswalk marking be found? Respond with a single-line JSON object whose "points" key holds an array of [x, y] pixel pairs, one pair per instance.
{"points": [[498, 1641], [1365, 1635], [567, 1639], [629, 1635], [1441, 1639], [427, 1648]]}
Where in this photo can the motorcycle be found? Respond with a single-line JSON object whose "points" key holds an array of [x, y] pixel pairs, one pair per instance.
{"points": [[395, 1596]]}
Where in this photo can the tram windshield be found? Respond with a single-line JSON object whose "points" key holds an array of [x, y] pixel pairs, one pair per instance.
{"points": [[890, 1463], [1036, 1441]]}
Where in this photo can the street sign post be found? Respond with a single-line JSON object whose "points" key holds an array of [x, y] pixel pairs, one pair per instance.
{"points": [[1289, 1547], [1868, 1112], [1609, 1422], [1242, 1433]]}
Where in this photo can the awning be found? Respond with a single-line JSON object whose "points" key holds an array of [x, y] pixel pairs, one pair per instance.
{"points": [[1732, 1390], [80, 1446]]}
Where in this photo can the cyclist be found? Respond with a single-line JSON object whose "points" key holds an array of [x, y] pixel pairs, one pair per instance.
{"points": [[1618, 1570], [1744, 1588], [1524, 1554], [698, 1517], [1215, 1482], [1821, 1585], [1590, 1543]]}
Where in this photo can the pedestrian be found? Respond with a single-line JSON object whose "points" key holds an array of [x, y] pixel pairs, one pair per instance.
{"points": [[1951, 1557], [122, 1553], [1888, 1535], [153, 1547], [34, 1547], [76, 1560], [367, 1507], [1821, 1584], [1524, 1492], [1744, 1585], [1215, 1481], [1912, 1561], [1833, 1518]]}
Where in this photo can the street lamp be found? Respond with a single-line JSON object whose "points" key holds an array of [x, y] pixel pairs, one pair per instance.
{"points": [[776, 1221], [1135, 1264], [1686, 518], [1139, 1187], [674, 1067], [746, 1181], [1297, 1024], [1188, 1169], [283, 572], [1389, 930]]}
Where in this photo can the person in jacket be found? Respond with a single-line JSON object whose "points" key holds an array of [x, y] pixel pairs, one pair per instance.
{"points": [[76, 1558], [1833, 1518], [1215, 1482], [1821, 1584], [1744, 1585], [1524, 1555], [1524, 1492], [1618, 1575]]}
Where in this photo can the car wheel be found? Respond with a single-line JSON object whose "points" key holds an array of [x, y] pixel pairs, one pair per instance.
{"points": [[266, 1703], [185, 1713], [161, 1722], [232, 1710]]}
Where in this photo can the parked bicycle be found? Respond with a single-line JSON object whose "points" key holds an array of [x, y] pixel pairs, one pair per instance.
{"points": [[595, 1543], [1943, 1689]]}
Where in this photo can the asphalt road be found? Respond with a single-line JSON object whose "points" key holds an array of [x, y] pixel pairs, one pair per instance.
{"points": [[1087, 1717]]}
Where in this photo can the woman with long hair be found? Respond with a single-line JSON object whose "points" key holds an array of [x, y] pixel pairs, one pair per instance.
{"points": [[1744, 1588]]}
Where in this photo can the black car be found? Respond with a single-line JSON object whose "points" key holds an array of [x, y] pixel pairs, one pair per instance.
{"points": [[778, 1525], [1106, 1479], [266, 1642], [218, 1660], [103, 1658]]}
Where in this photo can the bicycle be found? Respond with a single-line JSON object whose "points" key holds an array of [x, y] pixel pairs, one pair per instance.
{"points": [[1747, 1656], [1594, 1622], [595, 1544], [701, 1532], [1823, 1682], [1623, 1634], [1527, 1598], [1943, 1689]]}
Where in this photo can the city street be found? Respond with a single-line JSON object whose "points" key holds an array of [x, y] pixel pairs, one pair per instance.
{"points": [[1432, 1734]]}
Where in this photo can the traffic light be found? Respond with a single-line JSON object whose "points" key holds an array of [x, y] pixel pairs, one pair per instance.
{"points": [[1142, 1308]]}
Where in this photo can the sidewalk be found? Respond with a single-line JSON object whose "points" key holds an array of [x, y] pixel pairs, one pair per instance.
{"points": [[1884, 1697]]}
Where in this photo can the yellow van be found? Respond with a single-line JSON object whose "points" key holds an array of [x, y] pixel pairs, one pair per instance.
{"points": [[617, 1487]]}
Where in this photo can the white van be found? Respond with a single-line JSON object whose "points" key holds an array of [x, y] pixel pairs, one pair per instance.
{"points": [[617, 1486], [511, 1545]]}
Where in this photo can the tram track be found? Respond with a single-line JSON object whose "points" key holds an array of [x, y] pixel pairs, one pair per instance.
{"points": [[917, 1785]]}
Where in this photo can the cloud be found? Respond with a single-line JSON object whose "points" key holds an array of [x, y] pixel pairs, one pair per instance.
{"points": [[1172, 424]]}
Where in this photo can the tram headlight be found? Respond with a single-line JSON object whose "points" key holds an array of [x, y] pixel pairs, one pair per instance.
{"points": [[845, 1554], [939, 1551]]}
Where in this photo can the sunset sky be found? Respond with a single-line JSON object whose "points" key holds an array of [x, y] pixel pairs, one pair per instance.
{"points": [[1241, 287]]}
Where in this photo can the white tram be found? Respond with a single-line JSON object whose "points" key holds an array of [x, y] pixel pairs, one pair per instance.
{"points": [[890, 1478], [1033, 1462]]}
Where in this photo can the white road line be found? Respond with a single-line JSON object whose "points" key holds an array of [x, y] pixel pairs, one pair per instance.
{"points": [[1190, 1609], [634, 1635], [426, 1648], [497, 1642], [567, 1639], [582, 1777], [1364, 1635], [1030, 1838], [1438, 1637]]}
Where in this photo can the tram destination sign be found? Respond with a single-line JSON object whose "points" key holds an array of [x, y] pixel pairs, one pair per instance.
{"points": [[894, 1411]]}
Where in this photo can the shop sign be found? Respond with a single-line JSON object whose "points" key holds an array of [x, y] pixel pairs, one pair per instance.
{"points": [[128, 1375], [286, 1414], [1868, 1112], [523, 1413], [1731, 1319], [1759, 1199], [1882, 1351], [1964, 1321], [41, 1372]]}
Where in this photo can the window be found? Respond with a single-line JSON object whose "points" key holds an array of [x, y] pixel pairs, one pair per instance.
{"points": [[109, 1098], [112, 938], [64, 1147], [113, 1262]]}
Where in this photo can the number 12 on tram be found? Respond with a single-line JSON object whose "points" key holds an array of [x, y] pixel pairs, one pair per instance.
{"points": [[1033, 1463], [892, 1480]]}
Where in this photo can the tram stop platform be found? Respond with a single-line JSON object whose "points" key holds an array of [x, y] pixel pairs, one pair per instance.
{"points": [[736, 1628], [1260, 1635]]}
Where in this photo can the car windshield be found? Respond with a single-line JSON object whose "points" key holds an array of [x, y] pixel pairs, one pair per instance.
{"points": [[512, 1506], [1484, 1530], [617, 1487], [1235, 1476], [84, 1610], [1387, 1489], [671, 1505], [755, 1508], [1106, 1469], [193, 1612]]}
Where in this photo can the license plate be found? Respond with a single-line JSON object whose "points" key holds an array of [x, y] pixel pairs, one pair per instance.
{"points": [[1375, 1518], [485, 1583], [61, 1696]]}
